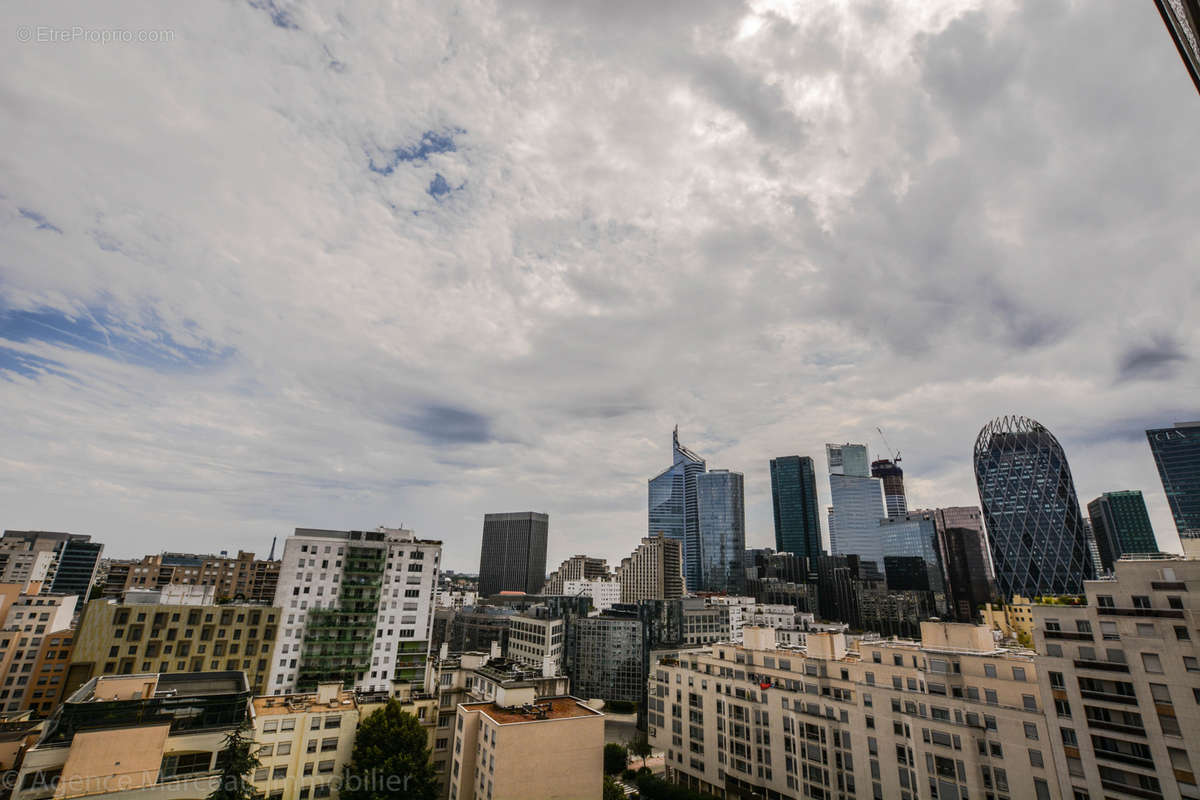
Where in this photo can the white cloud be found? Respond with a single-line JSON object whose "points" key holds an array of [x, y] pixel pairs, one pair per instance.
{"points": [[776, 225]]}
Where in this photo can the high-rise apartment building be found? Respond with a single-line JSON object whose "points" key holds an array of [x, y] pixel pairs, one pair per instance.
{"points": [[357, 608], [892, 477], [653, 571], [66, 563], [575, 568], [1035, 528], [672, 506], [513, 554], [721, 509], [1120, 525], [243, 579], [794, 502], [30, 621], [1121, 672], [115, 638], [968, 566], [952, 713], [1176, 453], [858, 504], [604, 593]]}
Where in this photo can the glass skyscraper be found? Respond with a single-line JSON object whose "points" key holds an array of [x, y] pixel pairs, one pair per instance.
{"points": [[1121, 524], [915, 536], [1036, 531], [794, 498], [892, 476], [672, 506], [857, 504], [721, 505], [1177, 455]]}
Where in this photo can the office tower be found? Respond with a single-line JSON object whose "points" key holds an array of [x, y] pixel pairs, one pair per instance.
{"points": [[845, 722], [537, 640], [721, 508], [516, 746], [1182, 18], [1121, 524], [243, 579], [672, 506], [170, 637], [908, 536], [156, 736], [1035, 528], [968, 568], [1120, 670], [606, 656], [794, 501], [653, 571], [1177, 455], [66, 563], [892, 477], [857, 503], [513, 555], [358, 608], [575, 568], [287, 727]]}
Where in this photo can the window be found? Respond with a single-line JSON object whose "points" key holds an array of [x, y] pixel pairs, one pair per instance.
{"points": [[1160, 693], [1146, 629], [989, 670], [1141, 601], [1031, 731], [1054, 650], [1035, 758], [283, 749], [1108, 630], [1018, 673], [329, 745], [1181, 633], [279, 773], [1151, 662], [325, 767]]}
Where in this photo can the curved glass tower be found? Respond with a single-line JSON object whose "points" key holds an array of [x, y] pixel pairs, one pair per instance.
{"points": [[672, 506], [1036, 531]]}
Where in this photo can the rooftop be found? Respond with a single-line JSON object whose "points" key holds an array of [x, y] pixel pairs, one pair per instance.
{"points": [[549, 708], [267, 706], [107, 688]]}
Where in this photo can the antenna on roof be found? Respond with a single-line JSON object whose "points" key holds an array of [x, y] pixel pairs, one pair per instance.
{"points": [[272, 556]]}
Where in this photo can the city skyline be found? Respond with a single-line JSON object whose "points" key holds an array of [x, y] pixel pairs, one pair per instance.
{"points": [[366, 288]]}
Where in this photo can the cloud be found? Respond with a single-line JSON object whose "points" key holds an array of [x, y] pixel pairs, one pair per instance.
{"points": [[341, 265]]}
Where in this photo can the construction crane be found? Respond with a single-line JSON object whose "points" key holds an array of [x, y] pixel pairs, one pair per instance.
{"points": [[894, 456]]}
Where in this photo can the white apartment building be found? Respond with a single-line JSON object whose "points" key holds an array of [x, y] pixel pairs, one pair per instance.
{"points": [[746, 611], [358, 608], [603, 593], [951, 716], [1122, 678]]}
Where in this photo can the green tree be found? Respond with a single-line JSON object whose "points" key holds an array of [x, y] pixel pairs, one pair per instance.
{"points": [[612, 791], [616, 757], [390, 759], [237, 762], [639, 746]]}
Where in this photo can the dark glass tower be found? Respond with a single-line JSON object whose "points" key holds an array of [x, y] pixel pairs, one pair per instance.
{"points": [[892, 476], [672, 506], [513, 555], [1036, 531], [77, 563], [794, 497], [1121, 525], [721, 505], [1177, 455]]}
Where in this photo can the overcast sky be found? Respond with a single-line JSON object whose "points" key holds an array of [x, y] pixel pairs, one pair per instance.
{"points": [[360, 263]]}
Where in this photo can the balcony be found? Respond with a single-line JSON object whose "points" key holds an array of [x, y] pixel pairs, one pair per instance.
{"points": [[1116, 727], [1071, 636], [1168, 586], [1109, 697], [1135, 791], [1106, 666], [1124, 758], [1160, 613]]}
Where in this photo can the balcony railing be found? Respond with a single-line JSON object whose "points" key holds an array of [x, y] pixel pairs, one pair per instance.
{"points": [[1162, 613], [1071, 636], [1107, 666], [1109, 697]]}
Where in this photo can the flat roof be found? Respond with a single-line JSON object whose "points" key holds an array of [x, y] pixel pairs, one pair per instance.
{"points": [[282, 705], [552, 708], [180, 684]]}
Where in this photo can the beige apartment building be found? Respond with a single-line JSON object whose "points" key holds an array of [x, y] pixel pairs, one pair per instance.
{"points": [[1122, 675], [519, 747], [243, 578], [32, 627], [575, 568], [304, 742], [137, 737], [121, 638], [654, 571], [953, 715]]}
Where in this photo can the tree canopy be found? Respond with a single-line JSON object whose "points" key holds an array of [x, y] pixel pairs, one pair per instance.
{"points": [[390, 759]]}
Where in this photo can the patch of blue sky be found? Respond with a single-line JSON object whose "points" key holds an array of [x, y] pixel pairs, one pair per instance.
{"points": [[94, 330], [432, 142], [40, 220]]}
